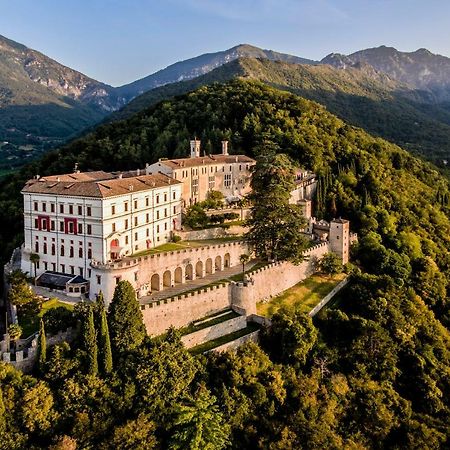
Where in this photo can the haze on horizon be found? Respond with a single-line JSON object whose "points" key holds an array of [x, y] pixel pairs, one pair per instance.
{"points": [[119, 41]]}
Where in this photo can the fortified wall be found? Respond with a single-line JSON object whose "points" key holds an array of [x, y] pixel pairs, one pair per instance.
{"points": [[180, 310]]}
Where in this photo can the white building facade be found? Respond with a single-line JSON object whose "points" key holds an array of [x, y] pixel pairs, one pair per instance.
{"points": [[76, 221]]}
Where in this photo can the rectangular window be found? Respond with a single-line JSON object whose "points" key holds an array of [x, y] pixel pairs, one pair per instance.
{"points": [[88, 211], [35, 206], [147, 218], [135, 204], [165, 197], [174, 195], [80, 271], [126, 240], [72, 270], [70, 209], [147, 201], [113, 227], [80, 228], [165, 226], [135, 221], [36, 224], [174, 209], [52, 207], [227, 180], [157, 215], [44, 207], [147, 232], [157, 228], [135, 236], [63, 268], [125, 206], [61, 226], [211, 182], [195, 186], [89, 229], [89, 271], [61, 208], [113, 209], [89, 254], [157, 199], [99, 279], [80, 210], [52, 225], [165, 212], [126, 224]]}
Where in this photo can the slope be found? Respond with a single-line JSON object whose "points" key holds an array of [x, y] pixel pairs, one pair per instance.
{"points": [[360, 95], [200, 65]]}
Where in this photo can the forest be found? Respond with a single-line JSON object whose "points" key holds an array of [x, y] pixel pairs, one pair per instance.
{"points": [[371, 372]]}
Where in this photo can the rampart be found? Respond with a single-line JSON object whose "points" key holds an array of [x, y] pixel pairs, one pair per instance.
{"points": [[263, 283]]}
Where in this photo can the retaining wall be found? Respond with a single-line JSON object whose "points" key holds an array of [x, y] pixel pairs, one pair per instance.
{"points": [[251, 337], [183, 309], [214, 331], [212, 233]]}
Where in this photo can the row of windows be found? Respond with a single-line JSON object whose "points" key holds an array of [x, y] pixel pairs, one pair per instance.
{"points": [[51, 250], [72, 227], [204, 170], [62, 268], [63, 209], [158, 228], [136, 203], [114, 227]]}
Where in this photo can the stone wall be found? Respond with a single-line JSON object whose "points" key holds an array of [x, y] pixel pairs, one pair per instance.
{"points": [[214, 331], [211, 233], [274, 279], [183, 309], [269, 281], [251, 337]]}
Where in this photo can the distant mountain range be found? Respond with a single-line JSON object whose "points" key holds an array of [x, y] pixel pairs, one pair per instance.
{"points": [[404, 97]]}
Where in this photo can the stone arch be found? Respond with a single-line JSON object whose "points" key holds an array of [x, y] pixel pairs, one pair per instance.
{"points": [[167, 278], [189, 272], [178, 275], [209, 266], [226, 260], [154, 282], [218, 263], [199, 269]]}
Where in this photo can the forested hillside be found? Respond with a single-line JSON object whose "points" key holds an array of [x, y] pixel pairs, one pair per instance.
{"points": [[373, 372], [359, 95]]}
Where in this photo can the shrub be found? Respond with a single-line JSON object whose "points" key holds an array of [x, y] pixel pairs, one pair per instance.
{"points": [[58, 319], [176, 238]]}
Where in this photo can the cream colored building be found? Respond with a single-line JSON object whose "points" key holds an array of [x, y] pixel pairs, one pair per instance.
{"points": [[229, 174], [74, 221]]}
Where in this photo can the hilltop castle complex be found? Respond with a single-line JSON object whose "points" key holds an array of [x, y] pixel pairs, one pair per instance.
{"points": [[90, 230]]}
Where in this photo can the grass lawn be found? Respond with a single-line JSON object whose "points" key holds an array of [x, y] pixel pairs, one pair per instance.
{"points": [[303, 296], [258, 265], [30, 323]]}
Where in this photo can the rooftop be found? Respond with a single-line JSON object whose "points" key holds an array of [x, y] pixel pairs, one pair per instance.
{"points": [[96, 184]]}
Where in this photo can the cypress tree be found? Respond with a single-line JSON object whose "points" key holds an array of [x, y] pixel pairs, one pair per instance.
{"points": [[2, 413], [89, 342], [104, 339], [41, 347], [126, 326]]}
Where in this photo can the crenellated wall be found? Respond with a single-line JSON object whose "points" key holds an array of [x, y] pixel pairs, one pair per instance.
{"points": [[268, 281]]}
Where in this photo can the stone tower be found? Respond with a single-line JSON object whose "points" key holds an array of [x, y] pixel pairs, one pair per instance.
{"points": [[195, 148], [340, 238]]}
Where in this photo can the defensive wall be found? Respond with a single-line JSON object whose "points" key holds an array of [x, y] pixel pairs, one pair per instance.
{"points": [[155, 272], [271, 280]]}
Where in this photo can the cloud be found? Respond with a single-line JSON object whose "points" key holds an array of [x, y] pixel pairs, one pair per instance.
{"points": [[305, 12]]}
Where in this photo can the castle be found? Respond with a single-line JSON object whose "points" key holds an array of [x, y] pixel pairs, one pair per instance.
{"points": [[90, 230]]}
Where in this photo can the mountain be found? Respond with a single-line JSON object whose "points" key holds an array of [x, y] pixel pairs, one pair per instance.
{"points": [[200, 65], [420, 69], [42, 102], [359, 94]]}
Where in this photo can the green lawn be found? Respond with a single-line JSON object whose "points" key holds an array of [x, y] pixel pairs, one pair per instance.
{"points": [[30, 322], [303, 296], [213, 320], [258, 265]]}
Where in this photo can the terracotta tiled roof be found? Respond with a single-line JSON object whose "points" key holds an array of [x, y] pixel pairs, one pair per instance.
{"points": [[86, 185], [206, 160]]}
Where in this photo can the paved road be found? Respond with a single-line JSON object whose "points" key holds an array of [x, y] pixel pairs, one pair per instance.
{"points": [[198, 283]]}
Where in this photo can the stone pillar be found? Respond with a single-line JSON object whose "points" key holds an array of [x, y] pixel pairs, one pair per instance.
{"points": [[19, 356]]}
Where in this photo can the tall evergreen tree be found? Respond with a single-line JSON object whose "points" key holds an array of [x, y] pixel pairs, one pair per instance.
{"points": [[126, 326], [275, 224], [41, 347], [106, 361], [89, 341]]}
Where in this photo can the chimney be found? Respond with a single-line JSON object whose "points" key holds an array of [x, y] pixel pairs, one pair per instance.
{"points": [[195, 148], [224, 147]]}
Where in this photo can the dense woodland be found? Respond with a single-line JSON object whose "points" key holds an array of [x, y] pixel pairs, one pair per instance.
{"points": [[372, 372]]}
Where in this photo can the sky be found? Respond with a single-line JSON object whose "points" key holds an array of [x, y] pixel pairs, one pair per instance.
{"points": [[119, 41]]}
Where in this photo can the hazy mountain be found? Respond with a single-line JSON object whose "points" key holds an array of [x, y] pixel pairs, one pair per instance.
{"points": [[200, 65], [42, 103], [420, 69], [359, 94]]}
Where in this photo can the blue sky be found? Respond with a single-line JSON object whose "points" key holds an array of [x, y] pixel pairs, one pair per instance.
{"points": [[118, 41]]}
